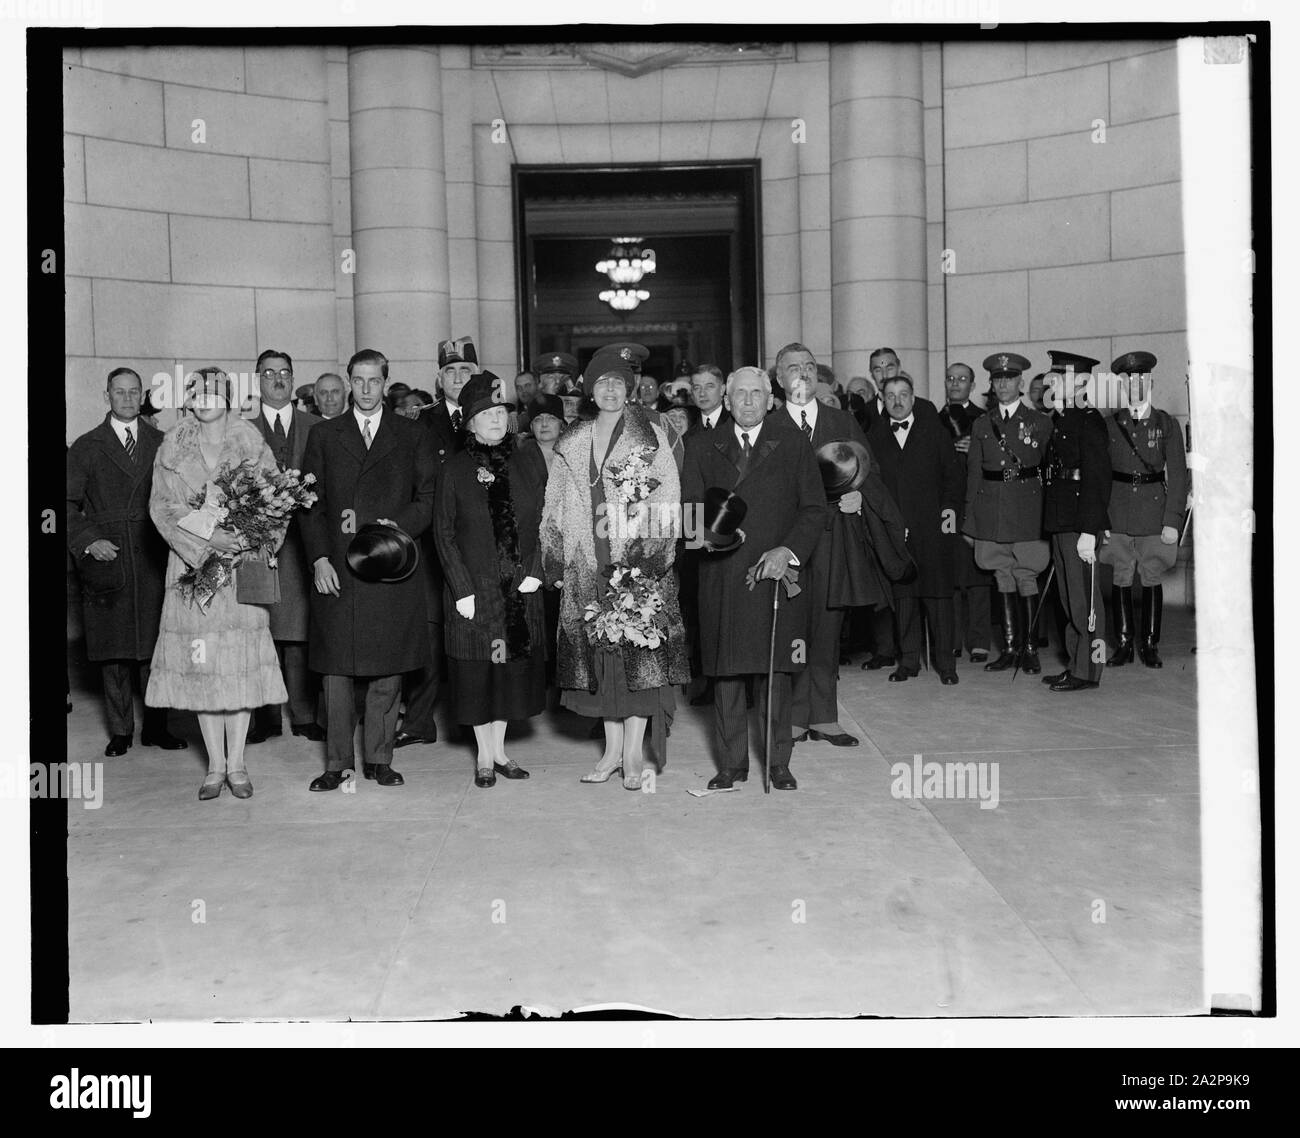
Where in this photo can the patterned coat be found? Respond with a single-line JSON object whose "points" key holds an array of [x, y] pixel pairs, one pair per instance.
{"points": [[108, 497], [569, 551], [289, 617], [1146, 509], [369, 629], [786, 507], [1012, 510]]}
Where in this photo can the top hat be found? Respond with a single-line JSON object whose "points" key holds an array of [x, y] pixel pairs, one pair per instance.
{"points": [[383, 553], [1005, 363], [481, 392], [1071, 361], [1133, 363], [555, 361], [844, 466], [723, 513], [456, 352]]}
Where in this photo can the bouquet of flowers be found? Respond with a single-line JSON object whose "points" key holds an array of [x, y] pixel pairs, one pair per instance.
{"points": [[631, 477], [630, 610], [255, 504]]}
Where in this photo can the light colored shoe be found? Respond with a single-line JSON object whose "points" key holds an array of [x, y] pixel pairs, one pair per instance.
{"points": [[239, 784], [599, 773], [213, 785]]}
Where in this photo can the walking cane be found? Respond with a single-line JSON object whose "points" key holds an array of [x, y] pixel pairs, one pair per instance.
{"points": [[771, 672], [1032, 631]]}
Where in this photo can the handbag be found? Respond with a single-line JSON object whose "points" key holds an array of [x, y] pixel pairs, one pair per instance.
{"points": [[257, 582]]}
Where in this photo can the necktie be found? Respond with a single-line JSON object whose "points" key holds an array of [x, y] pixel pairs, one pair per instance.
{"points": [[900, 424], [278, 430], [365, 434], [130, 444], [455, 420], [1006, 416], [707, 425], [745, 451], [807, 430]]}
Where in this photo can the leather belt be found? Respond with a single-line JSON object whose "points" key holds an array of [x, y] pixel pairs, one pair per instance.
{"points": [[1011, 474], [1138, 477]]}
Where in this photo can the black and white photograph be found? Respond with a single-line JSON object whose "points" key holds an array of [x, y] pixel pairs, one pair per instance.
{"points": [[769, 522]]}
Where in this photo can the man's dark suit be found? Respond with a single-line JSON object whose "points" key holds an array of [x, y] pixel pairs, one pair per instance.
{"points": [[289, 618], [786, 507], [371, 631], [421, 687]]}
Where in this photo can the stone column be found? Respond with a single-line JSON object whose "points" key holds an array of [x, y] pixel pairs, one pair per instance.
{"points": [[399, 207], [878, 278]]}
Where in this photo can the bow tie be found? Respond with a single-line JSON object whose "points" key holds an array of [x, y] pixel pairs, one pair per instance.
{"points": [[900, 424]]}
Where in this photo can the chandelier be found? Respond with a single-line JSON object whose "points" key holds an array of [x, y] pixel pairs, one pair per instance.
{"points": [[626, 264]]}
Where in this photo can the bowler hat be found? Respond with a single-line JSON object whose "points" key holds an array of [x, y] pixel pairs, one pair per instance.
{"points": [[723, 513], [844, 466], [481, 392], [383, 553]]}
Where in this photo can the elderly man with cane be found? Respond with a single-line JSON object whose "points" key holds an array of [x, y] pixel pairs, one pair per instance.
{"points": [[768, 463]]}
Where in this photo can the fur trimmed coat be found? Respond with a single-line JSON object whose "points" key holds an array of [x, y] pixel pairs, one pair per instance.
{"points": [[223, 659], [569, 551]]}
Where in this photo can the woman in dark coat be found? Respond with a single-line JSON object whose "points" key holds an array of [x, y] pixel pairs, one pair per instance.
{"points": [[486, 516], [588, 528], [927, 480]]}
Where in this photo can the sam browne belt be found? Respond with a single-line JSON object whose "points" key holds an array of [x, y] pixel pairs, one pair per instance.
{"points": [[1011, 474]]}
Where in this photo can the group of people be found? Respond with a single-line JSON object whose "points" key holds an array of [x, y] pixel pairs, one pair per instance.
{"points": [[615, 538]]}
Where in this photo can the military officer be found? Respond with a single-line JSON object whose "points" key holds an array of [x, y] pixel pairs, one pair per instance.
{"points": [[1004, 506], [555, 371], [1074, 515], [1148, 490]]}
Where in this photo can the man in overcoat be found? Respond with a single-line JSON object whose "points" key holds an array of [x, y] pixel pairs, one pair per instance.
{"points": [[921, 470], [285, 430], [768, 463], [1147, 496], [1075, 515], [120, 558], [370, 466], [815, 694]]}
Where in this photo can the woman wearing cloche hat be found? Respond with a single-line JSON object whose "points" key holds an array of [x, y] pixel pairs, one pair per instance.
{"points": [[486, 518]]}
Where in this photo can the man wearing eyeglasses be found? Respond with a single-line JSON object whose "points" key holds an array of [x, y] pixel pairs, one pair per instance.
{"points": [[285, 430]]}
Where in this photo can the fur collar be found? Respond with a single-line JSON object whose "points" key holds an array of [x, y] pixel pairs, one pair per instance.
{"points": [[180, 448]]}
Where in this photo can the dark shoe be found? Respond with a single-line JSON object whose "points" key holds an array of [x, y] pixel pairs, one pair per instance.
{"points": [[948, 678], [260, 733], [239, 783], [1008, 614], [782, 779], [118, 745], [843, 739], [406, 739], [978, 655], [804, 738], [311, 731], [212, 786], [330, 780], [383, 774], [1029, 643], [510, 769], [900, 674], [878, 662], [484, 777], [956, 652], [1121, 606], [1153, 602], [162, 739], [1072, 683], [704, 699], [723, 780]]}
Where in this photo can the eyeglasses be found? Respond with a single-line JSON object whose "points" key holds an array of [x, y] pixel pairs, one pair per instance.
{"points": [[284, 373]]}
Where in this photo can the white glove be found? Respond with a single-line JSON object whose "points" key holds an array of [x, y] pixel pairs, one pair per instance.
{"points": [[465, 606], [1169, 535], [851, 503], [1087, 548], [527, 585]]}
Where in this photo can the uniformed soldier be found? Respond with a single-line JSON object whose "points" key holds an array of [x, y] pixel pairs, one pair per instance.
{"points": [[1077, 495], [555, 371], [1004, 506], [1148, 490]]}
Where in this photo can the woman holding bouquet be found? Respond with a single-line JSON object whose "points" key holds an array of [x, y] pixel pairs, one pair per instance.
{"points": [[609, 537], [485, 521], [214, 655]]}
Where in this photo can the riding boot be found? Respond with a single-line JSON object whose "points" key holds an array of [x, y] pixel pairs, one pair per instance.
{"points": [[1006, 613], [1121, 604], [1153, 602]]}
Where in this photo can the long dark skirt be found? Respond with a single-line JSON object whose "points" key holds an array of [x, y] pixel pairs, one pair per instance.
{"points": [[482, 691]]}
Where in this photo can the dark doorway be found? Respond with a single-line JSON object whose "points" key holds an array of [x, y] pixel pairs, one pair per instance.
{"points": [[702, 223]]}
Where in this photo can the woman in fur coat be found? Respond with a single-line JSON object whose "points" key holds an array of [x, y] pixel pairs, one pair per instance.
{"points": [[220, 663], [485, 520], [613, 501]]}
